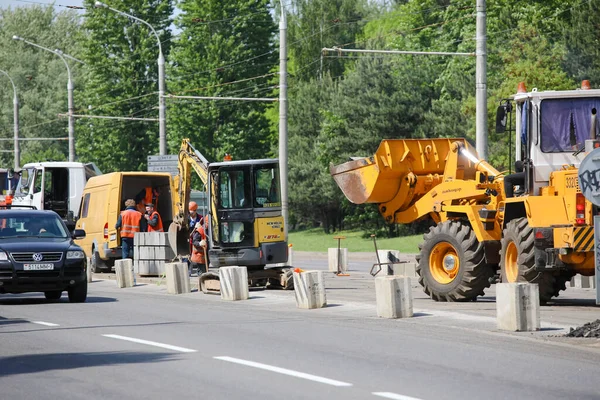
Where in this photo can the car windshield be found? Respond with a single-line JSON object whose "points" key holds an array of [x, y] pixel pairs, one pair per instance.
{"points": [[27, 225]]}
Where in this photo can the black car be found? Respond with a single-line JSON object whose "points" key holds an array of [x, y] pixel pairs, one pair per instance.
{"points": [[37, 254]]}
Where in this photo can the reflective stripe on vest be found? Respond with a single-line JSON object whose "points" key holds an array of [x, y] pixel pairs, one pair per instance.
{"points": [[130, 223], [159, 225]]}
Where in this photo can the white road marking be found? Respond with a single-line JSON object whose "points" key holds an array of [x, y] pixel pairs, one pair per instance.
{"points": [[44, 323], [284, 371], [394, 396], [149, 343]]}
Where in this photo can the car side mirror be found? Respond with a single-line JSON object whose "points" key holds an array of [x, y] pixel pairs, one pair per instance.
{"points": [[78, 234]]}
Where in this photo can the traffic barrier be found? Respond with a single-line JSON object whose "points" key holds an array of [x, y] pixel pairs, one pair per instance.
{"points": [[151, 251], [394, 297], [124, 273], [178, 281], [387, 256], [518, 306], [408, 269], [309, 289], [234, 283], [332, 257], [88, 269]]}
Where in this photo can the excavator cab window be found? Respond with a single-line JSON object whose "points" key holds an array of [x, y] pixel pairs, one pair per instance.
{"points": [[266, 186], [234, 188]]}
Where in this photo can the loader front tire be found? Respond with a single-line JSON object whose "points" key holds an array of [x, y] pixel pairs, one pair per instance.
{"points": [[517, 260], [451, 264]]}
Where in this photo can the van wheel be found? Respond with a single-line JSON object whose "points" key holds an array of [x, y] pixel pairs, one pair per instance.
{"points": [[98, 265]]}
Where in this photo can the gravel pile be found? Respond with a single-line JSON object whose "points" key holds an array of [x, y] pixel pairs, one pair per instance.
{"points": [[591, 329]]}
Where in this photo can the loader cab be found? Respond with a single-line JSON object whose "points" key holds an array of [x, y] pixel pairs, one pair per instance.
{"points": [[551, 130]]}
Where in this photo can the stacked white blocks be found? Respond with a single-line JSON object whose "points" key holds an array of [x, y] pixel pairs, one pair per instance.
{"points": [[309, 289], [178, 281], [124, 273], [151, 251], [234, 283], [332, 256], [518, 306], [394, 297]]}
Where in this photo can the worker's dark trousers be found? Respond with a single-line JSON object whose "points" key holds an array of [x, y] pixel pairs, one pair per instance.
{"points": [[126, 248]]}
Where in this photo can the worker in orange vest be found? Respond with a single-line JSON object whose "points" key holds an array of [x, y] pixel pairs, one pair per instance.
{"points": [[129, 221], [198, 248], [145, 196], [153, 218]]}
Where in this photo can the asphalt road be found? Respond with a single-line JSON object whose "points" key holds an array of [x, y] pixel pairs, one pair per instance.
{"points": [[143, 343]]}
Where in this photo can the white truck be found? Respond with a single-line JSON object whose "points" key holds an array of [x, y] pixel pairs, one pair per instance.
{"points": [[54, 185]]}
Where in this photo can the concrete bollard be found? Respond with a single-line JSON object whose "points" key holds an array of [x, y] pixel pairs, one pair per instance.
{"points": [[178, 281], [309, 289], [290, 261], [234, 283], [518, 306], [332, 256], [583, 282], [88, 269], [408, 269], [124, 273], [387, 256], [394, 297]]}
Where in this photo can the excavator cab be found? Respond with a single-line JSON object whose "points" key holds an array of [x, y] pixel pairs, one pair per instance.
{"points": [[246, 226]]}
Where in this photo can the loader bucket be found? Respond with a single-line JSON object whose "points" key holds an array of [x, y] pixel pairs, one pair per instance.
{"points": [[377, 179]]}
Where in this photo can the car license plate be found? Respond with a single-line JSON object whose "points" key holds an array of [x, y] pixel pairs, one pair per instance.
{"points": [[37, 267]]}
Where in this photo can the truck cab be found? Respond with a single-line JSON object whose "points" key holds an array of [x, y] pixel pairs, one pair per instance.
{"points": [[54, 186]]}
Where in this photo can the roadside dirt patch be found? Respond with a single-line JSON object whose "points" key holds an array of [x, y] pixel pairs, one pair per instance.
{"points": [[591, 329]]}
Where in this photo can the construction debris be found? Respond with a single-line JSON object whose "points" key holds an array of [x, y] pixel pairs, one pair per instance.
{"points": [[591, 329]]}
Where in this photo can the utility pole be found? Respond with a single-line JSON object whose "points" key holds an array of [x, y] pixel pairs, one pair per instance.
{"points": [[16, 121], [481, 120], [283, 123]]}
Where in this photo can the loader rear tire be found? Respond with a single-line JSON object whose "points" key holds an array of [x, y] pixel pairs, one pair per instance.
{"points": [[451, 264], [517, 260]]}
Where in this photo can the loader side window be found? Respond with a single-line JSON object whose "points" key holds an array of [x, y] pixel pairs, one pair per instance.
{"points": [[567, 123]]}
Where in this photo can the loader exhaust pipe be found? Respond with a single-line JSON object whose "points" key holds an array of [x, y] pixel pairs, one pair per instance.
{"points": [[479, 165]]}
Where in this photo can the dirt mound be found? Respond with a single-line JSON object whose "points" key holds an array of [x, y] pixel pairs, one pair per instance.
{"points": [[591, 329]]}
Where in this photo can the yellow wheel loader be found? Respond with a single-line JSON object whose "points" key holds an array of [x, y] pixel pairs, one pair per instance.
{"points": [[244, 223], [533, 226]]}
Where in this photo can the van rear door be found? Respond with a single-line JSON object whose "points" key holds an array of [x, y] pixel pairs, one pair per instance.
{"points": [[114, 209]]}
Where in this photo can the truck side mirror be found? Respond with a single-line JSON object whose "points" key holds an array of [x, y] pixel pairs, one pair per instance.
{"points": [[501, 119]]}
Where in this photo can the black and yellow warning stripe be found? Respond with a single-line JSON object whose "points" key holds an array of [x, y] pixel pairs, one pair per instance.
{"points": [[583, 238]]}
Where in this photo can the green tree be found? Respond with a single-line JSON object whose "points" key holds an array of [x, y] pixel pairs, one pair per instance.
{"points": [[121, 80], [224, 49], [315, 24], [40, 78]]}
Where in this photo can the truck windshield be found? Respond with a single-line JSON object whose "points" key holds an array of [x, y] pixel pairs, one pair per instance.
{"points": [[567, 123], [266, 186], [26, 178]]}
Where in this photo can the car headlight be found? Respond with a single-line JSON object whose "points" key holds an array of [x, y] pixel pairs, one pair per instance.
{"points": [[75, 255], [3, 256]]}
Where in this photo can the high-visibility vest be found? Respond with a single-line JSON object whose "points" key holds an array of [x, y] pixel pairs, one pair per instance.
{"points": [[159, 225], [197, 253], [130, 223]]}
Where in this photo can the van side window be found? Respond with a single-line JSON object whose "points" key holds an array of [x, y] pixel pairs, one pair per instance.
{"points": [[85, 206]]}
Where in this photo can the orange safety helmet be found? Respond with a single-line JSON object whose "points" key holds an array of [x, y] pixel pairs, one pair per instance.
{"points": [[192, 206]]}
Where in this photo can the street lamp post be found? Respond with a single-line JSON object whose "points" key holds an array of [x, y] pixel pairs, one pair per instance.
{"points": [[17, 152], [162, 129], [69, 93]]}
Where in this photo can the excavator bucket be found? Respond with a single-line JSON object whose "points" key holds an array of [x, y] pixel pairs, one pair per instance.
{"points": [[377, 179]]}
